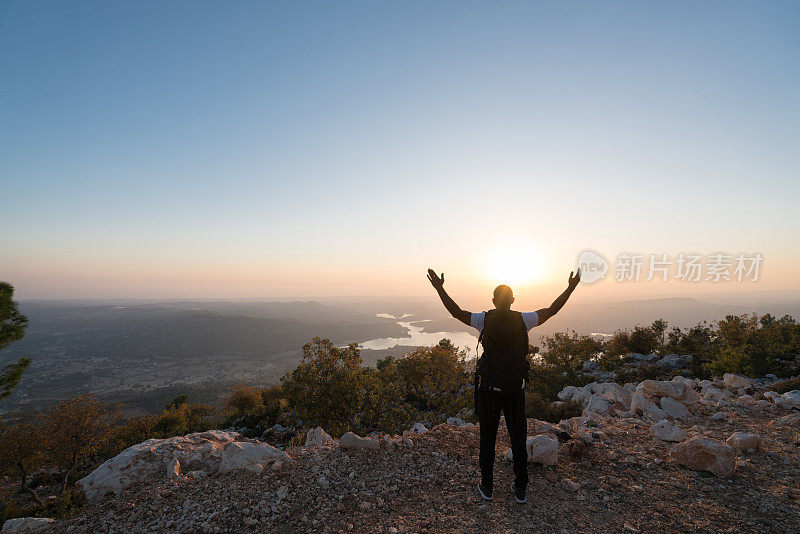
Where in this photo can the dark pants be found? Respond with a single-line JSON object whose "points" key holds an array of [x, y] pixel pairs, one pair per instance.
{"points": [[489, 404]]}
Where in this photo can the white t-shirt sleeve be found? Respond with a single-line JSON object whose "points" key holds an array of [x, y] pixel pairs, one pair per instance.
{"points": [[531, 319], [476, 320]]}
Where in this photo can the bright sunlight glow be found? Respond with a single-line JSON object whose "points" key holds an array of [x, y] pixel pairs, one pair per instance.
{"points": [[515, 265]]}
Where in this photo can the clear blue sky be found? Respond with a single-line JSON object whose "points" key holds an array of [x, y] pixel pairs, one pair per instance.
{"points": [[305, 148]]}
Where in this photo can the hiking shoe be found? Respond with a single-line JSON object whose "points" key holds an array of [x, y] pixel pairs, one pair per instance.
{"points": [[486, 494], [519, 494]]}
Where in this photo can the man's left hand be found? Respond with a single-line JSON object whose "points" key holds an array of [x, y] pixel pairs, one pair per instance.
{"points": [[435, 280], [574, 279]]}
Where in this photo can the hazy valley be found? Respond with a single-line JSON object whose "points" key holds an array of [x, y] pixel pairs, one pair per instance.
{"points": [[143, 353]]}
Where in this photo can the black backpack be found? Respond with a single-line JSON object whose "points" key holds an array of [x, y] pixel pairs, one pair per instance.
{"points": [[503, 364]]}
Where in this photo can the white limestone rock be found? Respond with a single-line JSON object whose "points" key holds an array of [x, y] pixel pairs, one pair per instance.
{"points": [[612, 392], [747, 400], [542, 449], [418, 428], [253, 457], [582, 395], [705, 454], [29, 525], [567, 393], [674, 408], [744, 441], [689, 383], [662, 388], [457, 421], [642, 404], [543, 427], [352, 441], [736, 381], [599, 405], [792, 399], [150, 459], [665, 430], [317, 436], [713, 395]]}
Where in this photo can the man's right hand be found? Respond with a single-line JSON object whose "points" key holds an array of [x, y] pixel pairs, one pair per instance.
{"points": [[436, 281], [574, 279]]}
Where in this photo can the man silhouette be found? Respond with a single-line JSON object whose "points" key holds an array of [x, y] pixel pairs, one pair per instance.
{"points": [[500, 374]]}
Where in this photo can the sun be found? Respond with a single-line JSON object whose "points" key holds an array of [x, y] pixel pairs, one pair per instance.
{"points": [[515, 265]]}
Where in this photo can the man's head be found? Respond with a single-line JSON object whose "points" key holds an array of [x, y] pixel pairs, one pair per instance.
{"points": [[503, 297]]}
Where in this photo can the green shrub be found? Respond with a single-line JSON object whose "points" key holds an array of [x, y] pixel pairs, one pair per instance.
{"points": [[244, 399], [69, 503], [327, 388], [786, 385], [171, 423], [547, 381], [537, 407]]}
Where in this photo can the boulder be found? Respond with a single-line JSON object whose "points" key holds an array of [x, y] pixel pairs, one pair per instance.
{"points": [[589, 365], [613, 392], [352, 441], [788, 400], [599, 405], [418, 428], [674, 408], [665, 430], [792, 399], [744, 441], [714, 395], [542, 449], [640, 403], [650, 358], [705, 454], [761, 403], [736, 381], [250, 456], [317, 436], [662, 388], [620, 410], [150, 460], [543, 427], [582, 395], [635, 356], [567, 393], [28, 525], [718, 416], [457, 421], [690, 399], [689, 383]]}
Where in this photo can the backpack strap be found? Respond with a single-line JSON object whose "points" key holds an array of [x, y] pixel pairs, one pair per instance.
{"points": [[477, 347], [527, 365]]}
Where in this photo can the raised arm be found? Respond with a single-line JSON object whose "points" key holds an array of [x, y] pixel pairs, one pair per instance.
{"points": [[545, 313], [438, 284]]}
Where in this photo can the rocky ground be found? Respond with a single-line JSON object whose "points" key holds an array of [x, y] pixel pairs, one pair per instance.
{"points": [[611, 475]]}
